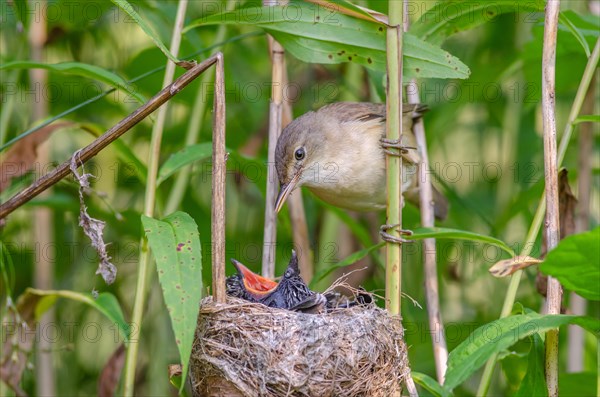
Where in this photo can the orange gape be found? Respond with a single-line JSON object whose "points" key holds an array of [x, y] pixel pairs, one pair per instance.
{"points": [[255, 283]]}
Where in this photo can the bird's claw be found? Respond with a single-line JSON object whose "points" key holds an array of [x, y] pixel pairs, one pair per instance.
{"points": [[387, 144], [394, 239]]}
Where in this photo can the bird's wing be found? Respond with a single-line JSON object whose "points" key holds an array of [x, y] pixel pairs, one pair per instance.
{"points": [[372, 118]]}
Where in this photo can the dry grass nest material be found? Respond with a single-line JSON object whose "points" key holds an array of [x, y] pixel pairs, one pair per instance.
{"points": [[248, 349]]}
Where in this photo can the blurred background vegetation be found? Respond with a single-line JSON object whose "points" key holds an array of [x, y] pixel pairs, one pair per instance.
{"points": [[484, 137]]}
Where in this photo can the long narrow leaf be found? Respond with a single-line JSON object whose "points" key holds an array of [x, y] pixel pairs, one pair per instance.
{"points": [[440, 232], [79, 69], [125, 6], [175, 244]]}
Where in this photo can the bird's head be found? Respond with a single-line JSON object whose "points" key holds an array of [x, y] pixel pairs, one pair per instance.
{"points": [[300, 149]]}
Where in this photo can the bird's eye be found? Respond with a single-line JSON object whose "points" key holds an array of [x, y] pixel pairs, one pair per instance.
{"points": [[299, 153]]}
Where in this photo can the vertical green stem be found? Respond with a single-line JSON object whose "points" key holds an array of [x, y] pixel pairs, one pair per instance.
{"points": [[511, 293], [394, 163], [149, 204]]}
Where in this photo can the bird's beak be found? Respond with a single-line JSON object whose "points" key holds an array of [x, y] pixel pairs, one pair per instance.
{"points": [[253, 282], [285, 190]]}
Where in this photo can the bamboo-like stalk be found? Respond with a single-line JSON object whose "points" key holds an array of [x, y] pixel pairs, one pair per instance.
{"points": [[393, 280], [552, 223], [42, 216], [275, 126], [509, 298], [578, 304], [144, 264], [440, 349], [219, 159]]}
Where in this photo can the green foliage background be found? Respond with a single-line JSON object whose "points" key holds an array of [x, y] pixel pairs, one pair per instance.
{"points": [[484, 136]]}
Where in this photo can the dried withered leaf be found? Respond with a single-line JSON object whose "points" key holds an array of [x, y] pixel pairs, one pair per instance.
{"points": [[93, 228], [111, 373], [18, 329], [20, 158], [506, 267]]}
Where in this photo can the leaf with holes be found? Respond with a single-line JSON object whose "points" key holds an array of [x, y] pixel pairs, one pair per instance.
{"points": [[175, 244], [321, 35]]}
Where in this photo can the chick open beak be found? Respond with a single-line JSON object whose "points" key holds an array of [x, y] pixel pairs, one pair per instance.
{"points": [[285, 190], [253, 282]]}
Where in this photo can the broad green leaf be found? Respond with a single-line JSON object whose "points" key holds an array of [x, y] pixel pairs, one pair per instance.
{"points": [[125, 6], [347, 261], [447, 18], [79, 69], [430, 384], [316, 34], [440, 232], [593, 118], [575, 262], [106, 303], [182, 158], [494, 337], [175, 244], [534, 382]]}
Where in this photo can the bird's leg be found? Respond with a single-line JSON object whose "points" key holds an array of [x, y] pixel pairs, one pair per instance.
{"points": [[388, 144], [393, 239]]}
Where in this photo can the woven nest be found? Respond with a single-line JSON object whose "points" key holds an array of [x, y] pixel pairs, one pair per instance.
{"points": [[247, 349]]}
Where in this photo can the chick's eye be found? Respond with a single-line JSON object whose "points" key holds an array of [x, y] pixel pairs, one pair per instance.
{"points": [[299, 154]]}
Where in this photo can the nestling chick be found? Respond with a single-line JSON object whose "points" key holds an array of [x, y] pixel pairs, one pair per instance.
{"points": [[338, 153]]}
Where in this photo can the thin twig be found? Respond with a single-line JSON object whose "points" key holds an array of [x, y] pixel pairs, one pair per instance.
{"points": [[275, 126], [552, 223], [143, 275], [440, 349], [108, 137]]}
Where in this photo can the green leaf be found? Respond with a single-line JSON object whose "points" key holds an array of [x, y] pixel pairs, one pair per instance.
{"points": [[593, 118], [440, 232], [79, 69], [125, 6], [106, 303], [316, 34], [563, 19], [534, 382], [346, 7], [347, 261], [175, 244], [447, 18], [182, 158], [575, 262], [430, 384], [494, 337]]}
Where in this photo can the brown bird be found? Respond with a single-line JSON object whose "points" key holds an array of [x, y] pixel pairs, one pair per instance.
{"points": [[338, 153]]}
